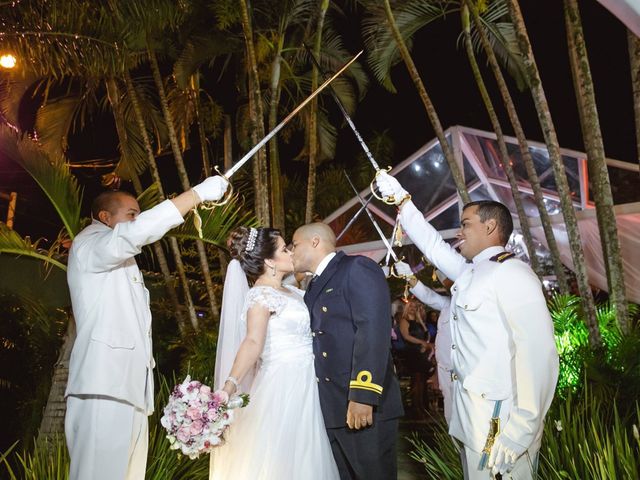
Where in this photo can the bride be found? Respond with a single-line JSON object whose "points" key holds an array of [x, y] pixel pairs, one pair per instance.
{"points": [[265, 349]]}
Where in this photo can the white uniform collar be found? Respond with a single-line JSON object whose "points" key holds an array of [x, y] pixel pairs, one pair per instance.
{"points": [[323, 264], [487, 253]]}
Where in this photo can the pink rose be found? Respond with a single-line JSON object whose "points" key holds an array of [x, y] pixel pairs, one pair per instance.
{"points": [[197, 427], [206, 389], [183, 434], [194, 413]]}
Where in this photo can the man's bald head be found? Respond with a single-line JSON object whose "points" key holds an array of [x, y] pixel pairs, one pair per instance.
{"points": [[310, 244], [113, 207], [320, 230]]}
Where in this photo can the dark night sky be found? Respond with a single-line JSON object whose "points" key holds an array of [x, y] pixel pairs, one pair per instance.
{"points": [[447, 76]]}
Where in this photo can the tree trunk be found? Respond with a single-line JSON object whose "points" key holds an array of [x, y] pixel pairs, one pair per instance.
{"points": [[502, 146], [52, 423], [598, 173], [260, 181], [456, 173], [548, 130], [534, 181], [173, 243], [277, 200], [184, 180], [227, 143], [634, 61], [195, 87], [313, 118], [113, 92]]}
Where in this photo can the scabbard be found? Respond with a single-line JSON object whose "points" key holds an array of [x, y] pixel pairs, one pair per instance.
{"points": [[494, 429]]}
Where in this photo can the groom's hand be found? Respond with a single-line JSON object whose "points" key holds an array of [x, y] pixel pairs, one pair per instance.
{"points": [[359, 415]]}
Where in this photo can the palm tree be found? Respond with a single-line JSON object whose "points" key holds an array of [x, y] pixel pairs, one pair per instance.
{"points": [[257, 118], [596, 159], [524, 150], [634, 60], [383, 51], [548, 130], [502, 146]]}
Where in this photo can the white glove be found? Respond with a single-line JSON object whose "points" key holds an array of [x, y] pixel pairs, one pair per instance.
{"points": [[504, 455], [403, 269], [390, 187], [212, 189], [385, 269]]}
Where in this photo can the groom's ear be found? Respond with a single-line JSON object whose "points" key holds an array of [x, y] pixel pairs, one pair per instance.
{"points": [[315, 241]]}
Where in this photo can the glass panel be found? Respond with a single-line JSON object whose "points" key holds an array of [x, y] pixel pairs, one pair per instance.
{"points": [[486, 149], [450, 218], [470, 176], [480, 193], [547, 180], [428, 179], [361, 230]]}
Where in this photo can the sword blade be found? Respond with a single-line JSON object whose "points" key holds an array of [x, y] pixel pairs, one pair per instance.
{"points": [[373, 220], [361, 141], [354, 218], [292, 114]]}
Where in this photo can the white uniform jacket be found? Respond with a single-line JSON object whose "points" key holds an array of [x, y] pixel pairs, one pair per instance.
{"points": [[112, 353], [502, 347], [443, 337]]}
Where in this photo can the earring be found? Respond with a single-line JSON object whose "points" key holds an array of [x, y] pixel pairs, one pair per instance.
{"points": [[273, 271]]}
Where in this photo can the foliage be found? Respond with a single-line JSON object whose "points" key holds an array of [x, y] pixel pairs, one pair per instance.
{"points": [[440, 456], [587, 438], [30, 336], [613, 370], [51, 461]]}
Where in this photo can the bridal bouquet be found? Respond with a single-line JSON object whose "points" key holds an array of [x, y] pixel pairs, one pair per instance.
{"points": [[196, 417]]}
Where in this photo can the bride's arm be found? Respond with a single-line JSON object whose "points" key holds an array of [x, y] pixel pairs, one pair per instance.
{"points": [[251, 346]]}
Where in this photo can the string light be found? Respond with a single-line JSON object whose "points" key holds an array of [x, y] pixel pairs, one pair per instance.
{"points": [[7, 61]]}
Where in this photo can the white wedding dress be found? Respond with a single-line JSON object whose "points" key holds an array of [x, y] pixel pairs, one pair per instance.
{"points": [[280, 435]]}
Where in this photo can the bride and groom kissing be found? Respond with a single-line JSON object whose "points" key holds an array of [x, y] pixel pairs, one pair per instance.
{"points": [[325, 400]]}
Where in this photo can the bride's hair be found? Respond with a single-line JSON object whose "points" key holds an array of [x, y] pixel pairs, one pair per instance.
{"points": [[251, 246]]}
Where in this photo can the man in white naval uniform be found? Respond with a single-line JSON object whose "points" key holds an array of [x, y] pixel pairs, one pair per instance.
{"points": [[441, 303], [110, 388], [503, 349]]}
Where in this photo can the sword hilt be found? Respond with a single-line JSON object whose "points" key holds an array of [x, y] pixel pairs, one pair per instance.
{"points": [[211, 204], [388, 200]]}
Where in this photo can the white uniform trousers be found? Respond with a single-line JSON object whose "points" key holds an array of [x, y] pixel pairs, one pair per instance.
{"points": [[446, 388], [525, 468], [107, 438]]}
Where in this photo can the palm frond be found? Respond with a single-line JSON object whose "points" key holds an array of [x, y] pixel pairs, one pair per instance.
{"points": [[216, 223], [12, 243], [149, 198], [502, 36], [55, 179], [12, 93], [54, 124], [381, 47]]}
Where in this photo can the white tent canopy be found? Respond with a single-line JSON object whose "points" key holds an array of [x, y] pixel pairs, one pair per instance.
{"points": [[426, 175]]}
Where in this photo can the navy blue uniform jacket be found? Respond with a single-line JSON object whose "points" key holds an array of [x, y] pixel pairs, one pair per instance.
{"points": [[351, 326]]}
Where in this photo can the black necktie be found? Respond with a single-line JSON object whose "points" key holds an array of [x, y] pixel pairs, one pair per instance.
{"points": [[313, 280]]}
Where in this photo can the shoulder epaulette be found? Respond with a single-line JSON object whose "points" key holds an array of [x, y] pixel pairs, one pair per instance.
{"points": [[502, 257]]}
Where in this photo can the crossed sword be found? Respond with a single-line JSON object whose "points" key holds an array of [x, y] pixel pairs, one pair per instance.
{"points": [[364, 207]]}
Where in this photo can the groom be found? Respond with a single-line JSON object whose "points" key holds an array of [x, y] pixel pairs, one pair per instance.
{"points": [[349, 303]]}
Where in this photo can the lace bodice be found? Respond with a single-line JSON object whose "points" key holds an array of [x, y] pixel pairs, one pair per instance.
{"points": [[288, 331]]}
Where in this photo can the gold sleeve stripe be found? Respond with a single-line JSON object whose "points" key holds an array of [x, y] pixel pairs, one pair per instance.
{"points": [[363, 382]]}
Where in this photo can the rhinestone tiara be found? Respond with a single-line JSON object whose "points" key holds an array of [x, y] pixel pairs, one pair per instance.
{"points": [[251, 242]]}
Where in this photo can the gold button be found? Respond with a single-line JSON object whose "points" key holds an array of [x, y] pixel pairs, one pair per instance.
{"points": [[455, 317], [326, 379], [453, 347], [454, 376], [484, 395], [455, 289], [324, 309], [466, 306], [324, 354], [313, 334], [317, 380]]}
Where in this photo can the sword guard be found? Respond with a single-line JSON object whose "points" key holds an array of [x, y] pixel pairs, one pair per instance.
{"points": [[389, 200], [211, 204]]}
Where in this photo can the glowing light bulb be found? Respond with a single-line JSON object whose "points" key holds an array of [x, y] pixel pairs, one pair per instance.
{"points": [[7, 61]]}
